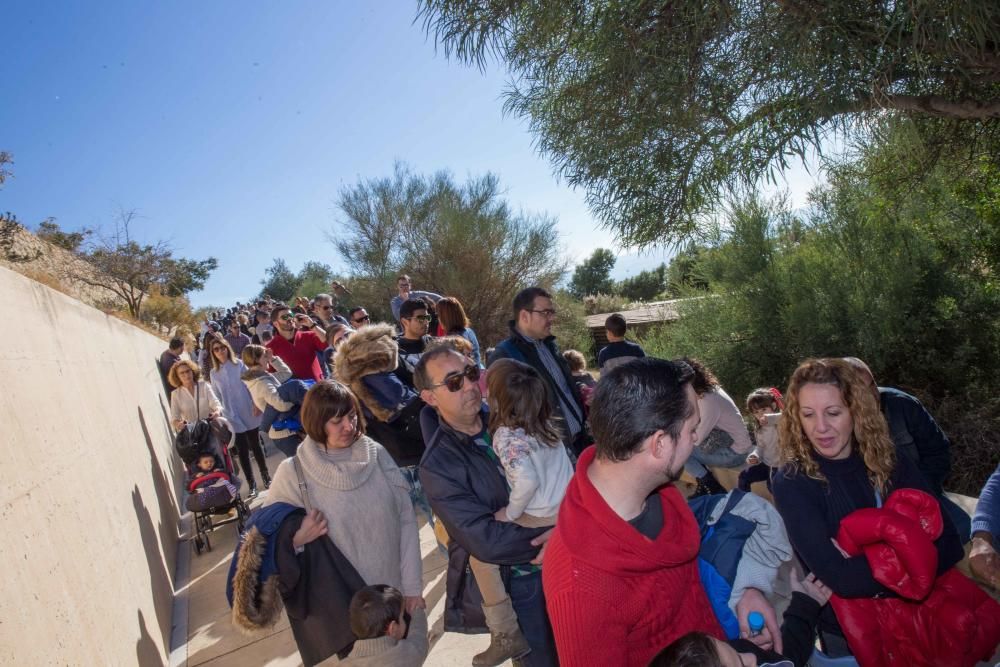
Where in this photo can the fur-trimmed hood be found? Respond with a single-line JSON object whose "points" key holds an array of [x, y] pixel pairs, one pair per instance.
{"points": [[368, 351], [252, 586]]}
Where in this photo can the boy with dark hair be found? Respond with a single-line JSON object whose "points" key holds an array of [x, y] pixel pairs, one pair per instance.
{"points": [[618, 351], [387, 636]]}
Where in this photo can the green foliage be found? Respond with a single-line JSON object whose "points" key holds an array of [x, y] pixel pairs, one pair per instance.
{"points": [[279, 282], [125, 268], [655, 108], [458, 240], [6, 159], [903, 277], [594, 304], [49, 230], [570, 327], [644, 286], [593, 275], [314, 278]]}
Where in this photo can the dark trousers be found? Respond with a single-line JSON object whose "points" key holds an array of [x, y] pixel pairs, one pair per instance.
{"points": [[528, 599], [247, 442], [287, 446]]}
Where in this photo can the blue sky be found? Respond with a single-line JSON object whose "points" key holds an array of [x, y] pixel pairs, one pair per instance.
{"points": [[231, 127]]}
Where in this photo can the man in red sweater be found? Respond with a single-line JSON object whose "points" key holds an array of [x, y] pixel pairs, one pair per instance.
{"points": [[621, 573], [297, 346]]}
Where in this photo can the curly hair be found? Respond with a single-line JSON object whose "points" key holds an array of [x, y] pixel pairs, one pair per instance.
{"points": [[175, 380], [704, 379], [870, 433]]}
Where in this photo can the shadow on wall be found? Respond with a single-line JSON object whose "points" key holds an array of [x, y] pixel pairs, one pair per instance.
{"points": [[165, 500], [173, 462], [163, 591], [146, 652]]}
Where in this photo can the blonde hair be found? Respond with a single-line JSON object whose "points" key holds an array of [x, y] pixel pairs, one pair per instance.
{"points": [[175, 381], [870, 433], [458, 343], [252, 354], [211, 352]]}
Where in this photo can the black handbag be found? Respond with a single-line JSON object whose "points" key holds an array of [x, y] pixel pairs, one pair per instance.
{"points": [[193, 438]]}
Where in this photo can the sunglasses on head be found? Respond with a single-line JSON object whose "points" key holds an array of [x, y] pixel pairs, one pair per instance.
{"points": [[454, 380]]}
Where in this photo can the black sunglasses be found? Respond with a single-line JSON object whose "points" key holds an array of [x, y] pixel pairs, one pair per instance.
{"points": [[366, 318], [454, 381]]}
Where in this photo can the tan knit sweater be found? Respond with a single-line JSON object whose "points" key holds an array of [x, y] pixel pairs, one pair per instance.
{"points": [[367, 507]]}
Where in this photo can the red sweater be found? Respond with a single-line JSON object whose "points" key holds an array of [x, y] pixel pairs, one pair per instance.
{"points": [[300, 355], [614, 596]]}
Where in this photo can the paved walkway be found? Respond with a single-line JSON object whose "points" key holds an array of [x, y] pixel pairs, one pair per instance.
{"points": [[212, 639]]}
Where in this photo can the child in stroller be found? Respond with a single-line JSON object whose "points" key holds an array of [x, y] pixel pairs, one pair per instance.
{"points": [[213, 485], [210, 474]]}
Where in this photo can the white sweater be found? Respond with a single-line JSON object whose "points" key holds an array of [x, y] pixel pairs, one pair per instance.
{"points": [[537, 473], [182, 405], [719, 411], [366, 503], [264, 392]]}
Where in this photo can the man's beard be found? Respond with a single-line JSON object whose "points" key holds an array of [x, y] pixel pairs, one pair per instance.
{"points": [[671, 474]]}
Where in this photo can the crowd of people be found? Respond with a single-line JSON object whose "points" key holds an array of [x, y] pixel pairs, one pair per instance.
{"points": [[555, 495]]}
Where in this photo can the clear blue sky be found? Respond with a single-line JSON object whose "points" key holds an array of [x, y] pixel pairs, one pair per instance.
{"points": [[231, 127]]}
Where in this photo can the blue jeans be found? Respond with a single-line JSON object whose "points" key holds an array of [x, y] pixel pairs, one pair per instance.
{"points": [[287, 446], [528, 599], [722, 458]]}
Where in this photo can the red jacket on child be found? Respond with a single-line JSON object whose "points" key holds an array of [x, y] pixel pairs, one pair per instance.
{"points": [[937, 621], [614, 596]]}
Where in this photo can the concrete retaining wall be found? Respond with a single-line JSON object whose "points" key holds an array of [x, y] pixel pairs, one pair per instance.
{"points": [[88, 499]]}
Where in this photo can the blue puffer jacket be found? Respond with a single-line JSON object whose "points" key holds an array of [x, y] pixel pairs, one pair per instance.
{"points": [[743, 543]]}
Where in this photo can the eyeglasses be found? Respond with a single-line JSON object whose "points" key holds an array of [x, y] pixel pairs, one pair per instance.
{"points": [[218, 349], [454, 381], [422, 318], [366, 318], [286, 317], [548, 312], [326, 307]]}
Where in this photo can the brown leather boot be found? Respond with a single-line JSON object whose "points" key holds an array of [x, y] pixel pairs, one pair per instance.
{"points": [[506, 640]]}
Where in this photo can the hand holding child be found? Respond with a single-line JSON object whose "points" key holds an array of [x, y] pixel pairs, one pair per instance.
{"points": [[501, 515]]}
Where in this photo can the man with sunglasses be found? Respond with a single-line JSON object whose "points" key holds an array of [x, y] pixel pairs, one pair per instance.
{"points": [[531, 342], [415, 320], [359, 317], [325, 308], [465, 484], [297, 341]]}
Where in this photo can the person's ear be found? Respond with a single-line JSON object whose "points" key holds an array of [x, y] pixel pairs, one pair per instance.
{"points": [[662, 444], [429, 398], [393, 629]]}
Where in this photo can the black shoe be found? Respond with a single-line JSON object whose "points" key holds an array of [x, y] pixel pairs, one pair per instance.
{"points": [[253, 491], [267, 483]]}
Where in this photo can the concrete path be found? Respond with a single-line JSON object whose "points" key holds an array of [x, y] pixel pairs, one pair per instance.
{"points": [[212, 639]]}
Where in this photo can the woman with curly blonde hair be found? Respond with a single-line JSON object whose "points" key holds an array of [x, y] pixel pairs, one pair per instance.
{"points": [[839, 458]]}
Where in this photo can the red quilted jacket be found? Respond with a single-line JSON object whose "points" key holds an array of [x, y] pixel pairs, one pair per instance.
{"points": [[944, 621]]}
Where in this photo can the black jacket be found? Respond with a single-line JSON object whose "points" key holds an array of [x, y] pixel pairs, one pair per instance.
{"points": [[917, 435], [465, 488], [316, 587], [525, 352]]}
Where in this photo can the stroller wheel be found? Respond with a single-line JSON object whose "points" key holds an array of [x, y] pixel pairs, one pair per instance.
{"points": [[208, 543], [199, 544]]}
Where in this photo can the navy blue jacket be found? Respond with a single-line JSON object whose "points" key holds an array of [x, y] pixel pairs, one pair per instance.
{"points": [[465, 488], [917, 435]]}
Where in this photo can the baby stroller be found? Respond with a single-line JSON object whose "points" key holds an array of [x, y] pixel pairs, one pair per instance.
{"points": [[215, 495]]}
